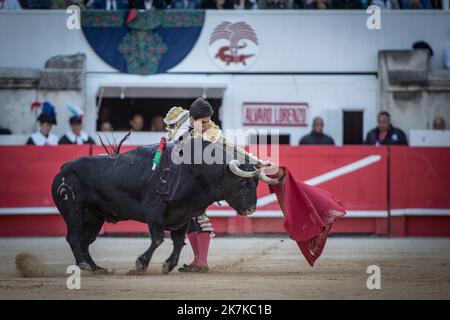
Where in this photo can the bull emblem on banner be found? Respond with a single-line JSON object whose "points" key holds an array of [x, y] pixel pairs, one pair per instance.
{"points": [[234, 41]]}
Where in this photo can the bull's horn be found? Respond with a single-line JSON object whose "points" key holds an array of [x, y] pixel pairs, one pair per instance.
{"points": [[234, 167], [271, 181]]}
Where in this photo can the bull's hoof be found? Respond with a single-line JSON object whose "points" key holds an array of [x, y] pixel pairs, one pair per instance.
{"points": [[85, 266], [140, 266], [95, 270], [165, 268], [100, 270]]}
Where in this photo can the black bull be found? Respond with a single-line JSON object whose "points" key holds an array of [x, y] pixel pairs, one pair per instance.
{"points": [[91, 190]]}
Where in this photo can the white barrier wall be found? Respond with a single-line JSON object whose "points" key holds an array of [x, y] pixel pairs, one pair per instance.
{"points": [[289, 40], [327, 59], [430, 138], [323, 94]]}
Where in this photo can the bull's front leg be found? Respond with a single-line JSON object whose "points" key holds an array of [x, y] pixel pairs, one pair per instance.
{"points": [[178, 237], [156, 228]]}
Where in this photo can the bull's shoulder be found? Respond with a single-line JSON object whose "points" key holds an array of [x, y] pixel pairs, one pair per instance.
{"points": [[140, 152], [135, 153], [104, 161], [136, 156]]}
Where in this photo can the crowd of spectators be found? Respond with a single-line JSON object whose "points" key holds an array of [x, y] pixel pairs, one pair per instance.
{"points": [[136, 123], [383, 134], [219, 4], [76, 135]]}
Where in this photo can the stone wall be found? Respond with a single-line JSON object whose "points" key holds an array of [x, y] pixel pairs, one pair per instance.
{"points": [[410, 92], [61, 82]]}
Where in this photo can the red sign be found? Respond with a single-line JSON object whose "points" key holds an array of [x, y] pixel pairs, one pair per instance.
{"points": [[275, 113]]}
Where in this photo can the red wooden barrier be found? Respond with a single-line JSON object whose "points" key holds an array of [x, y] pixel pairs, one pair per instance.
{"points": [[27, 172], [357, 175], [420, 191]]}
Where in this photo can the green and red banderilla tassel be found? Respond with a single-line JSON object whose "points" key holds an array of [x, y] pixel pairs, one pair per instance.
{"points": [[158, 153]]}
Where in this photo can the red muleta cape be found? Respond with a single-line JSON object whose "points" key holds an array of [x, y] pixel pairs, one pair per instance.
{"points": [[309, 213]]}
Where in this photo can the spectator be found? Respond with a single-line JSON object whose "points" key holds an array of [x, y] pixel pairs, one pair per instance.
{"points": [[386, 4], [365, 3], [106, 126], [76, 135], [245, 4], [157, 124], [439, 123], [322, 4], [318, 4], [274, 4], [4, 130], [423, 45], [47, 118], [109, 4], [10, 5], [416, 4], [103, 116], [185, 4], [39, 4], [436, 4], [447, 55], [137, 122], [283, 4], [217, 4], [148, 4], [385, 133], [317, 136], [347, 4], [298, 4], [63, 4]]}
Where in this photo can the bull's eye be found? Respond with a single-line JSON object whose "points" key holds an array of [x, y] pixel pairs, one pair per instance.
{"points": [[243, 182]]}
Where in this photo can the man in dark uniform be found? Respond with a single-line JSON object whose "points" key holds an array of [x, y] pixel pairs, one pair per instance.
{"points": [[5, 131], [76, 135], [385, 133], [317, 136]]}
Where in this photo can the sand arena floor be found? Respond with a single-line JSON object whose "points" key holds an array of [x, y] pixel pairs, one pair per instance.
{"points": [[241, 268]]}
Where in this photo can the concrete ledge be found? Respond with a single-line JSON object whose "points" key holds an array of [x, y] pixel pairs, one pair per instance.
{"points": [[406, 66], [62, 72], [62, 79], [73, 61], [20, 78], [440, 78]]}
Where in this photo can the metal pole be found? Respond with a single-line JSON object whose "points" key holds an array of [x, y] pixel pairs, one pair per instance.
{"points": [[388, 190]]}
